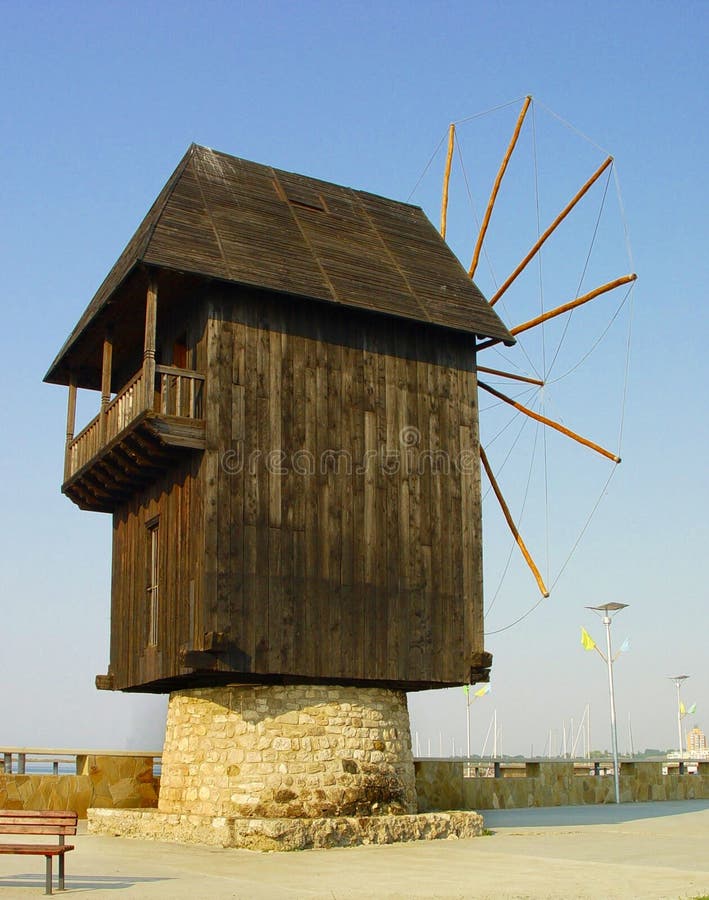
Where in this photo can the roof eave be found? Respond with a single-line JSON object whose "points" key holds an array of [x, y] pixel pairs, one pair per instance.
{"points": [[132, 261]]}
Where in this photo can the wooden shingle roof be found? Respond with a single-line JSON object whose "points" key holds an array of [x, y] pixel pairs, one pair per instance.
{"points": [[238, 221]]}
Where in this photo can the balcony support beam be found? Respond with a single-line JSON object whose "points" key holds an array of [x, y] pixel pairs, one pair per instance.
{"points": [[105, 383], [70, 421], [151, 320]]}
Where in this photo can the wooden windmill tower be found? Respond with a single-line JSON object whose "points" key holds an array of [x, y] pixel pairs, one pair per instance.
{"points": [[288, 444]]}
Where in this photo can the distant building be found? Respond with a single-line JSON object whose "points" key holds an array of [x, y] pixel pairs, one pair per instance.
{"points": [[697, 743]]}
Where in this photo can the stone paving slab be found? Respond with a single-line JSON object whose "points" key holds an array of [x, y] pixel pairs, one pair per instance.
{"points": [[644, 850]]}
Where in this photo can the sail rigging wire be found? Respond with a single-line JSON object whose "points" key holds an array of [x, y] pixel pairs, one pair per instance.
{"points": [[586, 524], [461, 159], [520, 619], [509, 452], [547, 373], [570, 126], [627, 369], [547, 540], [619, 195], [502, 430], [566, 561], [539, 231], [543, 336], [598, 339], [523, 393], [519, 518], [487, 112], [604, 489], [427, 166], [508, 361]]}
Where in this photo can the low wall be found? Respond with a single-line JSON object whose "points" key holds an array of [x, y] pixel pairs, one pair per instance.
{"points": [[103, 781], [444, 785], [114, 782]]}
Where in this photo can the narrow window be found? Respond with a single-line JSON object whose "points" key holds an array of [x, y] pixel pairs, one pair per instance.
{"points": [[153, 586]]}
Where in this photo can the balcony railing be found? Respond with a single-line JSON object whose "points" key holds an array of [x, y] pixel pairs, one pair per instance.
{"points": [[178, 394]]}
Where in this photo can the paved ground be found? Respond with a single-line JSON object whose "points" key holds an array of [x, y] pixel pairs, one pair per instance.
{"points": [[643, 850]]}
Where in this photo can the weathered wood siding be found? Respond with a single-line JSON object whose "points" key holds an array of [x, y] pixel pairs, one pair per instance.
{"points": [[331, 529], [364, 563], [176, 498]]}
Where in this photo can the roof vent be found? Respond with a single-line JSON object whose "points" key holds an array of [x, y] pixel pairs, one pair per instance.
{"points": [[300, 195]]}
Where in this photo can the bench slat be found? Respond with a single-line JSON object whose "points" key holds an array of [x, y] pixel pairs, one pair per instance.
{"points": [[39, 813], [28, 821], [36, 849]]}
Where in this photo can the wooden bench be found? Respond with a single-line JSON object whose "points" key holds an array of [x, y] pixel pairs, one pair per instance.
{"points": [[44, 822]]}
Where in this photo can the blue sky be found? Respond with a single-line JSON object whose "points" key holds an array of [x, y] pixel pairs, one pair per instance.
{"points": [[98, 104]]}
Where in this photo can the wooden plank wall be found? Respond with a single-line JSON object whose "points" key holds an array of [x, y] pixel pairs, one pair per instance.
{"points": [[370, 572], [177, 498]]}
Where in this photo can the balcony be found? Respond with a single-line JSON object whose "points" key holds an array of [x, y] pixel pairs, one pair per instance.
{"points": [[135, 438]]}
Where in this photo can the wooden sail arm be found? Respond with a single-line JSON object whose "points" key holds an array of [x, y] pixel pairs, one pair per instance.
{"points": [[496, 186], [513, 528], [512, 375], [447, 178], [572, 304], [555, 425], [549, 231]]}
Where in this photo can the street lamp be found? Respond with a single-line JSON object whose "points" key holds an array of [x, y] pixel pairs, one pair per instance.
{"points": [[678, 679], [609, 609]]}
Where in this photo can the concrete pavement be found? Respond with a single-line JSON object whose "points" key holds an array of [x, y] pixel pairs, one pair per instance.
{"points": [[642, 850]]}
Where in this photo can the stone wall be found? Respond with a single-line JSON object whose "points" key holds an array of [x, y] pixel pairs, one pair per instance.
{"points": [[287, 751], [101, 781], [282, 834], [441, 785]]}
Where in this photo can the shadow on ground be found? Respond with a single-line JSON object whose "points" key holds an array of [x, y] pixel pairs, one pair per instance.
{"points": [[75, 883], [610, 814]]}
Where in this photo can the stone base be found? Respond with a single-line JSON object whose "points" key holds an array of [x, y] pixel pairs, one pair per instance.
{"points": [[282, 834], [295, 751]]}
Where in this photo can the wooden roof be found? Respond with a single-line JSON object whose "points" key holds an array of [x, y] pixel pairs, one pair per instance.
{"points": [[224, 217]]}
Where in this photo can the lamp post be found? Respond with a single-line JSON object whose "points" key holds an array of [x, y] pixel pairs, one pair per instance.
{"points": [[607, 610], [678, 679]]}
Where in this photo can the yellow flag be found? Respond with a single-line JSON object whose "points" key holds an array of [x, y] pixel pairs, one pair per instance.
{"points": [[682, 709], [587, 641]]}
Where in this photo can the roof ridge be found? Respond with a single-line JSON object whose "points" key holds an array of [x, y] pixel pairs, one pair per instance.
{"points": [[208, 211], [168, 190]]}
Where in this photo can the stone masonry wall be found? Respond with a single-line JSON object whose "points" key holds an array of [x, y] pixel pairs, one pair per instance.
{"points": [[441, 785], [101, 781], [272, 751]]}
